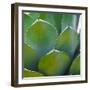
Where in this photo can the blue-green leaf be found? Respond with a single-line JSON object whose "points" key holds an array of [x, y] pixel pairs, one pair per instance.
{"points": [[68, 41], [29, 57], [41, 36], [70, 20]]}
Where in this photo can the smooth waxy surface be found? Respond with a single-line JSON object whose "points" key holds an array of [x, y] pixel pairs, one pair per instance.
{"points": [[41, 36], [68, 41], [54, 63], [29, 73], [29, 55], [75, 67]]}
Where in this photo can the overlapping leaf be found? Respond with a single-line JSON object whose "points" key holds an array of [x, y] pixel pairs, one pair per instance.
{"points": [[70, 20], [68, 41], [41, 36], [75, 67], [54, 63], [29, 73], [29, 56], [45, 31]]}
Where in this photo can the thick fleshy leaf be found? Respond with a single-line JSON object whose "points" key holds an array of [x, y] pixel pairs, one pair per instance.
{"points": [[34, 15], [53, 18], [70, 20], [75, 67], [77, 51], [29, 55], [49, 17], [68, 41], [41, 36], [58, 22], [27, 21], [29, 73], [54, 63]]}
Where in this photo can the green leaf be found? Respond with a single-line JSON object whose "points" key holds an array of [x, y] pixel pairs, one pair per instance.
{"points": [[29, 56], [53, 18], [29, 18], [49, 17], [75, 67], [27, 21], [29, 73], [43, 15], [54, 63], [70, 20], [58, 22], [41, 36], [68, 41], [77, 51], [34, 15]]}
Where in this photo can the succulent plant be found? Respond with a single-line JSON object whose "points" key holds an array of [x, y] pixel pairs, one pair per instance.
{"points": [[69, 20], [54, 63], [75, 67], [68, 41], [51, 44], [29, 55], [29, 73], [41, 36], [28, 19]]}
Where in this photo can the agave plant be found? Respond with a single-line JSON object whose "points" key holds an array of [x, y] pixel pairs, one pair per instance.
{"points": [[51, 44]]}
